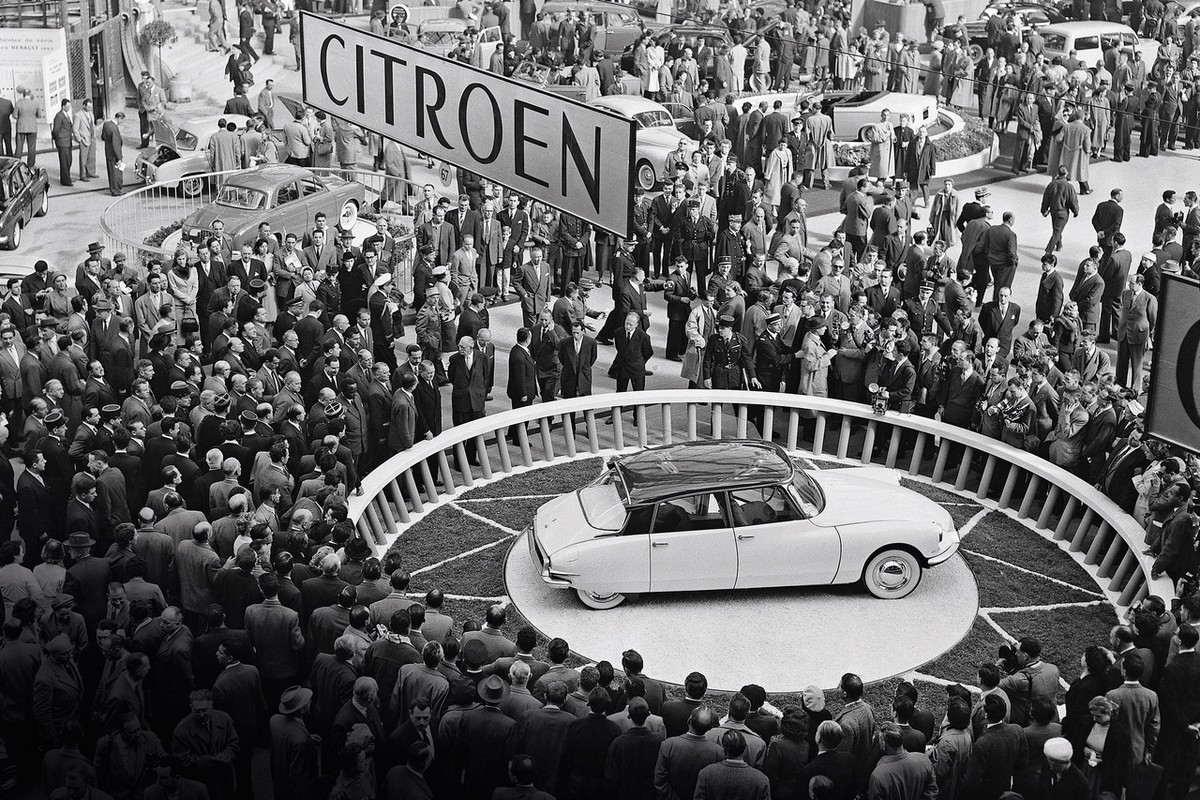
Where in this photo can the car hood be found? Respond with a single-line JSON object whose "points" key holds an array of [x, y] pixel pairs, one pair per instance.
{"points": [[845, 490], [206, 215], [578, 517]]}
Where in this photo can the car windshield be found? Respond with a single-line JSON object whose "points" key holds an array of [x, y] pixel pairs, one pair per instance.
{"points": [[439, 38], [812, 501], [185, 140], [602, 506], [1056, 42], [242, 197], [654, 119]]}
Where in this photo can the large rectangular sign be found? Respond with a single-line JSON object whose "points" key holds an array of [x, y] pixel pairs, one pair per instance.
{"points": [[23, 65], [566, 154], [1173, 408]]}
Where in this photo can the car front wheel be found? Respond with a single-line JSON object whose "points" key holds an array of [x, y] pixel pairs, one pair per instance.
{"points": [[892, 574], [14, 241], [600, 601], [45, 204], [192, 186], [645, 175]]}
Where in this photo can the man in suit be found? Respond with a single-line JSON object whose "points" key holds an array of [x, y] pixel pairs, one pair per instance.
{"points": [[468, 379], [110, 134], [998, 319], [522, 376], [543, 346], [1135, 330], [999, 753], [1179, 699], [633, 351], [1138, 706], [1058, 778], [1114, 271], [1106, 220], [440, 235], [576, 355], [1050, 290], [857, 208], [533, 286], [1086, 294], [632, 297], [961, 392], [1000, 247], [62, 133], [1059, 203]]}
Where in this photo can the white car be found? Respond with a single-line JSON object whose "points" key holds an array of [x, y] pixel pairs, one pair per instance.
{"points": [[732, 514], [180, 153], [657, 134], [853, 112], [1089, 40]]}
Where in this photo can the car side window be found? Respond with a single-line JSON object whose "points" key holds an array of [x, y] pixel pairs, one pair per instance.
{"points": [[695, 513], [22, 177], [763, 506], [309, 187], [1087, 43], [287, 193]]}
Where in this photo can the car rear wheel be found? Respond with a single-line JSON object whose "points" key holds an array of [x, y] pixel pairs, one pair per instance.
{"points": [[892, 574], [191, 187], [45, 206], [349, 215], [862, 133], [14, 241], [975, 52], [645, 175], [600, 601]]}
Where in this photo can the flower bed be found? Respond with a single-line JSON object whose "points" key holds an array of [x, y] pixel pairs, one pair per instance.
{"points": [[972, 138]]}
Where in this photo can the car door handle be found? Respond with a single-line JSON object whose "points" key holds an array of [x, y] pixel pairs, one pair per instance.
{"points": [[659, 544], [744, 536]]}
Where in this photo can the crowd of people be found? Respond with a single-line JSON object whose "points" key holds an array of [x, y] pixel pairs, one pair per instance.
{"points": [[185, 585]]}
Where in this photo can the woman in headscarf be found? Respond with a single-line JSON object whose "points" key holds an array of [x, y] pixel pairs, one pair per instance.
{"points": [[183, 285], [813, 700]]}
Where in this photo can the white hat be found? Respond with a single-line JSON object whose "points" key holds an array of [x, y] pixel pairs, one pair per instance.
{"points": [[1149, 257], [1058, 749]]}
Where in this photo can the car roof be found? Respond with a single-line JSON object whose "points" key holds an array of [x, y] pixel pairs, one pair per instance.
{"points": [[268, 177], [1086, 28], [555, 6], [443, 24], [724, 464], [202, 125], [627, 104]]}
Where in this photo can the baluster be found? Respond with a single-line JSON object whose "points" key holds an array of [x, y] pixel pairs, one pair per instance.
{"points": [[485, 458], [893, 448], [398, 500], [868, 442], [378, 534], [364, 528], [593, 431], [1121, 576], [464, 466], [793, 434], [716, 412], [1098, 541], [502, 449], [939, 466], [526, 450], [639, 415], [431, 491], [668, 432], [1048, 507], [618, 426], [1031, 490], [768, 424], [985, 480], [742, 410], [918, 453], [1010, 486], [1068, 516], [1116, 549], [547, 444], [569, 436], [691, 422], [843, 446], [1135, 585], [448, 485], [1081, 532], [414, 496], [385, 508], [964, 469]]}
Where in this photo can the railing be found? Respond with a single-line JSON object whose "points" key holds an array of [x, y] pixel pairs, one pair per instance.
{"points": [[1054, 499], [146, 222]]}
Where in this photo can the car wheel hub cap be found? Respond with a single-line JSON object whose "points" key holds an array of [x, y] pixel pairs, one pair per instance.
{"points": [[893, 574]]}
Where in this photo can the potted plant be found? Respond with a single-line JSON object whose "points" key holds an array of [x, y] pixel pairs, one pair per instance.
{"points": [[155, 34]]}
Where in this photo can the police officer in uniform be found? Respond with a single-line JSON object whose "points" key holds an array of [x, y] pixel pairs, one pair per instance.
{"points": [[727, 358], [695, 237], [623, 266], [769, 356]]}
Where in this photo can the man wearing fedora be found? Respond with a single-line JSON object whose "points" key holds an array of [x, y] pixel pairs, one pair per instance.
{"points": [[87, 578], [481, 744], [295, 753]]}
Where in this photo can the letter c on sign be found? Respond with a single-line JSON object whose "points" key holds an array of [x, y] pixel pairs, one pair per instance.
{"points": [[1185, 374], [325, 67]]}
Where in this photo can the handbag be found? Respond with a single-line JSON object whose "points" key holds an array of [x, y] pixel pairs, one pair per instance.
{"points": [[1143, 784]]}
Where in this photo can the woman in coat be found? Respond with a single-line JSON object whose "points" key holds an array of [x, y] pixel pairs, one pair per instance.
{"points": [[1100, 121], [944, 213], [921, 164], [786, 755], [814, 359], [1077, 150], [882, 137], [183, 284], [933, 75], [777, 173], [1103, 749], [1008, 89]]}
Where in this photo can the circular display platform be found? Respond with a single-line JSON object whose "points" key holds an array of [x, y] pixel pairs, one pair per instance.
{"points": [[811, 634]]}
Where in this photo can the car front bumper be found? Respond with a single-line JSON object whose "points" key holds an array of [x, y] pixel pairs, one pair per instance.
{"points": [[949, 546], [542, 562]]}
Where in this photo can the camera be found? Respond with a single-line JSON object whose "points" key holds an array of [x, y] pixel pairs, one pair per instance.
{"points": [[879, 399], [1007, 659]]}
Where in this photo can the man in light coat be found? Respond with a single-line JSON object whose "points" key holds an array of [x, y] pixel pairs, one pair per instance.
{"points": [[27, 114], [84, 134]]}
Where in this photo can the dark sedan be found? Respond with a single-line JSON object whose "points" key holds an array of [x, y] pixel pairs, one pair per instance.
{"points": [[24, 194]]}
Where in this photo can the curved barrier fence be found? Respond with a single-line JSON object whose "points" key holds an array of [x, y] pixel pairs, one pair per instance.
{"points": [[1054, 500]]}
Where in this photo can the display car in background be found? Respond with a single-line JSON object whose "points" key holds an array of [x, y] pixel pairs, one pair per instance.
{"points": [[179, 155], [24, 194], [617, 26], [853, 112], [441, 36], [1030, 16], [731, 514], [656, 134], [1089, 40], [284, 195], [547, 78]]}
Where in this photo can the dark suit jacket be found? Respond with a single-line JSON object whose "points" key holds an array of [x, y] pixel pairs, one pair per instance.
{"points": [[1000, 243], [631, 299], [838, 766], [998, 754], [1000, 326], [633, 351], [469, 387], [522, 375], [1107, 220], [1049, 297], [429, 409], [576, 376], [959, 397]]}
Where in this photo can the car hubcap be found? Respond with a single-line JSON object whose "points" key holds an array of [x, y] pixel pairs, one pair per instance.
{"points": [[893, 574], [602, 598], [646, 177]]}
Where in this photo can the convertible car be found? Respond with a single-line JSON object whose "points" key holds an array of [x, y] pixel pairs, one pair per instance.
{"points": [[852, 112], [735, 515], [285, 195]]}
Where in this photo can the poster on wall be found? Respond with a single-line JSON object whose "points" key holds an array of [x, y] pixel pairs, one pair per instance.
{"points": [[25, 55]]}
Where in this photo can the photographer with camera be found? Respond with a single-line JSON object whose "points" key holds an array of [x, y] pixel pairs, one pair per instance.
{"points": [[1027, 678], [888, 371]]}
